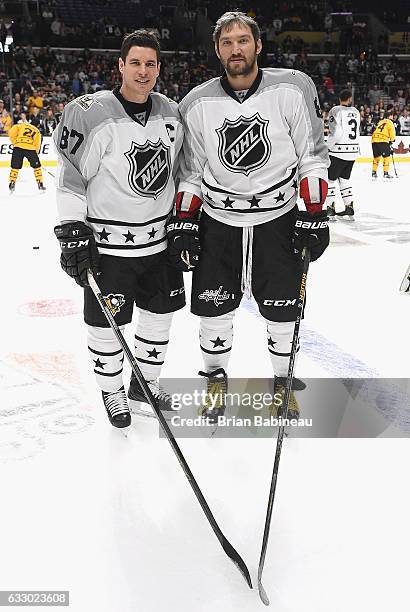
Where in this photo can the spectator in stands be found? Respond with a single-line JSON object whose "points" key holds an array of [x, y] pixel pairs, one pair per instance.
{"points": [[35, 117], [323, 67], [5, 122], [35, 101], [58, 114], [396, 124], [49, 123], [404, 121]]}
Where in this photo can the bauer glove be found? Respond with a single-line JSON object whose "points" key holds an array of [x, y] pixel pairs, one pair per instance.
{"points": [[183, 243], [78, 250], [311, 231]]}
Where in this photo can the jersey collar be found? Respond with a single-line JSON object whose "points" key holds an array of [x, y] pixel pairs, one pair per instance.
{"points": [[231, 92], [133, 108]]}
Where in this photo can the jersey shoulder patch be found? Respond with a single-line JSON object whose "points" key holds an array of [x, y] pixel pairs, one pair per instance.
{"points": [[86, 102]]}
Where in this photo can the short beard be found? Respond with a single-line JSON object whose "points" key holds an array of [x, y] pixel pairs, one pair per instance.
{"points": [[241, 69]]}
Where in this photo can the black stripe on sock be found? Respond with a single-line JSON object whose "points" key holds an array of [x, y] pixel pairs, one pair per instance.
{"points": [[215, 352], [105, 354], [151, 341]]}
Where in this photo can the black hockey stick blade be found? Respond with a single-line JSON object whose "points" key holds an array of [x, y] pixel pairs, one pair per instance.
{"points": [[237, 559]]}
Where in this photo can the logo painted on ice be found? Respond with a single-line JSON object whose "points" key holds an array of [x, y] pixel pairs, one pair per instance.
{"points": [[216, 296], [114, 302], [243, 144], [149, 168]]}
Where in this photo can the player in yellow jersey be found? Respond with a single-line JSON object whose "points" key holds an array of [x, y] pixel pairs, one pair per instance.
{"points": [[382, 138], [26, 140]]}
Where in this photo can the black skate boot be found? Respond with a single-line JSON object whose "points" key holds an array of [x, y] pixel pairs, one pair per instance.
{"points": [[116, 405], [374, 175], [348, 213], [162, 398], [12, 186], [216, 389], [387, 176], [279, 385], [331, 212], [40, 186]]}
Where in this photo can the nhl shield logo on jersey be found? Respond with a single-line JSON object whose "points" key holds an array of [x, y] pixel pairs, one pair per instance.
{"points": [[114, 302], [150, 168], [243, 144]]}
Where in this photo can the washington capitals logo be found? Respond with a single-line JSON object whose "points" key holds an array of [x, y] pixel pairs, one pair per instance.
{"points": [[243, 144], [149, 169], [114, 302]]}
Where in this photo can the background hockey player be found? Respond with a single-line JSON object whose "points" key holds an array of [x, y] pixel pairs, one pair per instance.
{"points": [[382, 140], [26, 140], [117, 155], [343, 145], [252, 138]]}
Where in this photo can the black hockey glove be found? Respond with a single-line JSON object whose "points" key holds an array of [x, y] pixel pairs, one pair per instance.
{"points": [[78, 250], [311, 231], [183, 243]]}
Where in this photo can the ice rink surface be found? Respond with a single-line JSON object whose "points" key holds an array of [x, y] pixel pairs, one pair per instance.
{"points": [[113, 520]]}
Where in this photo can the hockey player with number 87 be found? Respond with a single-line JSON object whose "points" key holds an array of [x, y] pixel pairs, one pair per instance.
{"points": [[252, 138], [117, 155]]}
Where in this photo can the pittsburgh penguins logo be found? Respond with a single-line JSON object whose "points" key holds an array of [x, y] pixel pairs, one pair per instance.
{"points": [[149, 168], [243, 144], [114, 302]]}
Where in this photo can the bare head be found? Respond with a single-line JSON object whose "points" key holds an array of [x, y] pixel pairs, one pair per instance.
{"points": [[237, 44], [139, 65]]}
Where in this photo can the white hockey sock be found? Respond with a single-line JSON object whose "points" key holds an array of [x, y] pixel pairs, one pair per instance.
{"points": [[151, 341], [331, 194], [106, 357], [215, 336], [280, 337], [346, 191]]}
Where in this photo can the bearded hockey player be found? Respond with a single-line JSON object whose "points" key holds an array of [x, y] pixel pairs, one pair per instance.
{"points": [[343, 145], [253, 137], [117, 156]]}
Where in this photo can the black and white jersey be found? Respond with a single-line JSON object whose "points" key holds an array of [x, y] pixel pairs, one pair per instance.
{"points": [[245, 157], [344, 132], [116, 170]]}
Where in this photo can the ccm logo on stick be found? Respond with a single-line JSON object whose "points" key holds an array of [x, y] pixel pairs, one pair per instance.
{"points": [[279, 302]]}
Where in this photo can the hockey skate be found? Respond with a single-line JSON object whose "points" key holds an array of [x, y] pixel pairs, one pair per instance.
{"points": [[387, 176], [347, 213], [330, 211], [216, 389], [279, 386], [41, 187], [12, 187], [374, 175], [116, 405], [162, 398]]}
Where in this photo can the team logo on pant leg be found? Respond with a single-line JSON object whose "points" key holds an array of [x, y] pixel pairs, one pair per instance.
{"points": [[217, 296], [114, 302], [243, 144], [150, 168]]}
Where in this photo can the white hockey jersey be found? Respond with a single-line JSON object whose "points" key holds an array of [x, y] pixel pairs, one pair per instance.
{"points": [[117, 174], [344, 132], [245, 157]]}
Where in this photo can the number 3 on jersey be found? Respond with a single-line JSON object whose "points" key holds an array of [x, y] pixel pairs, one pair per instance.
{"points": [[353, 133], [66, 135]]}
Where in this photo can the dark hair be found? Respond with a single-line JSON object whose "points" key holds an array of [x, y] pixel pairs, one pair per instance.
{"points": [[227, 20], [345, 94], [140, 38]]}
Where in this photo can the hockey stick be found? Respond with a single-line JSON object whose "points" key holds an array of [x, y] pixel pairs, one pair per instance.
{"points": [[394, 165], [50, 173], [281, 431], [226, 545]]}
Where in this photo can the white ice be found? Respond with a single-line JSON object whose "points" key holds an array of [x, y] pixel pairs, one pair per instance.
{"points": [[113, 519]]}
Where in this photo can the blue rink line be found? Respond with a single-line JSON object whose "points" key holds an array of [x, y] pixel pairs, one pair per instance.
{"points": [[327, 354], [384, 395]]}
